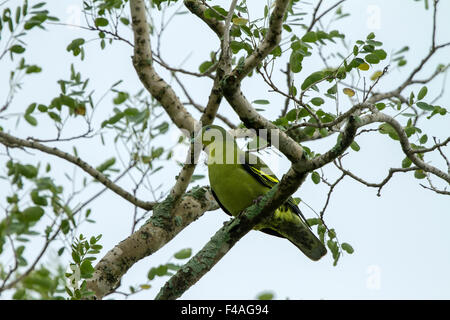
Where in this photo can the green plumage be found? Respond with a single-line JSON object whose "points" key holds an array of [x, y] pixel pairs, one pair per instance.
{"points": [[239, 178]]}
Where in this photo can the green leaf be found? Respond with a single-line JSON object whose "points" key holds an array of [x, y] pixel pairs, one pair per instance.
{"points": [[332, 90], [312, 78], [315, 177], [265, 296], [386, 128], [313, 221], [295, 61], [381, 54], [419, 174], [371, 36], [125, 21], [86, 269], [355, 146], [261, 101], [380, 106], [17, 48], [121, 97], [183, 254], [424, 106], [38, 200], [347, 247], [30, 119], [158, 271], [101, 22], [406, 163], [106, 165], [33, 69], [30, 108], [422, 93], [31, 214], [317, 101], [205, 66], [311, 36], [65, 226], [372, 58], [423, 139]]}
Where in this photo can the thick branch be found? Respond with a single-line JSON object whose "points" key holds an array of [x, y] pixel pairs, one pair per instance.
{"points": [[142, 61], [197, 8], [162, 227]]}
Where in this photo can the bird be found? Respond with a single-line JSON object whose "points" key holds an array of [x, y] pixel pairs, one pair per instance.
{"points": [[239, 178]]}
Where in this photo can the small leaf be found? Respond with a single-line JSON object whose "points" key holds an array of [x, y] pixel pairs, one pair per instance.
{"points": [[31, 214], [355, 146], [239, 21], [311, 36], [364, 66], [183, 254], [423, 139], [261, 101], [265, 296], [312, 79], [86, 269], [125, 21], [381, 54], [30, 119], [317, 101], [347, 247], [419, 174], [101, 22], [422, 93], [425, 106], [349, 92], [205, 66], [406, 163], [315, 177], [376, 75], [372, 58], [295, 61], [17, 48]]}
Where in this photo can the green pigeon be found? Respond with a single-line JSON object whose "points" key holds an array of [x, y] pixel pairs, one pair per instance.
{"points": [[238, 178]]}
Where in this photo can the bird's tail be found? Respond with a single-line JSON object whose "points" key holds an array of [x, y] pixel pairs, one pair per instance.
{"points": [[297, 232]]}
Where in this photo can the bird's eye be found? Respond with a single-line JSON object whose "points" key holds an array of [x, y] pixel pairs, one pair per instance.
{"points": [[207, 128]]}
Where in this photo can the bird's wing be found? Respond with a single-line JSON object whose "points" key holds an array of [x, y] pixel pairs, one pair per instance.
{"points": [[261, 172], [265, 230]]}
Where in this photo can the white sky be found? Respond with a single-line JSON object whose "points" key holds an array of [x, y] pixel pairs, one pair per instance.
{"points": [[400, 239]]}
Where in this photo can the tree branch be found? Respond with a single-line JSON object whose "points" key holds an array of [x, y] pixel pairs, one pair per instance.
{"points": [[162, 227], [14, 142], [197, 8], [142, 61], [404, 142]]}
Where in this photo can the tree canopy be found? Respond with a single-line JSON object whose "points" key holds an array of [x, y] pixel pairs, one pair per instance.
{"points": [[100, 100]]}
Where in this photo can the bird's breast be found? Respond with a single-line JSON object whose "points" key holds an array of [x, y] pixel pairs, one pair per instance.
{"points": [[235, 188]]}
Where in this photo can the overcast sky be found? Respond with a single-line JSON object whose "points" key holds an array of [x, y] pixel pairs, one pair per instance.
{"points": [[401, 239]]}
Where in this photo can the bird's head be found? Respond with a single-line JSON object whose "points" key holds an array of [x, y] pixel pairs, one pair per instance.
{"points": [[213, 134]]}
